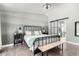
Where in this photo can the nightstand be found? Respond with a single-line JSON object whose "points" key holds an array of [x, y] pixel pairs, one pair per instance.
{"points": [[18, 38]]}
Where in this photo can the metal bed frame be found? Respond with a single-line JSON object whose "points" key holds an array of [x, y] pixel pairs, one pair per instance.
{"points": [[50, 38]]}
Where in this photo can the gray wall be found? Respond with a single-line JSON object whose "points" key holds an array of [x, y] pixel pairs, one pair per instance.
{"points": [[10, 21], [0, 31], [67, 10]]}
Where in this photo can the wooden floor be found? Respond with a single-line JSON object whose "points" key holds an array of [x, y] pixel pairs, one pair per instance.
{"points": [[22, 50]]}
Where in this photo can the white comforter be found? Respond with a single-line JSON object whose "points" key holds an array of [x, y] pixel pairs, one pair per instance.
{"points": [[30, 39]]}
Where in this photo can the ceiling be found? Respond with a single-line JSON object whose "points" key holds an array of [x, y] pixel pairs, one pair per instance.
{"points": [[25, 7]]}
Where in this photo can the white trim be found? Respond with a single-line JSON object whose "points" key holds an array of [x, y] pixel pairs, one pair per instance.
{"points": [[7, 45], [72, 43], [65, 41]]}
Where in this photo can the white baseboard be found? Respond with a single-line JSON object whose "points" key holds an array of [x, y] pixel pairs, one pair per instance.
{"points": [[72, 43], [7, 45], [65, 41]]}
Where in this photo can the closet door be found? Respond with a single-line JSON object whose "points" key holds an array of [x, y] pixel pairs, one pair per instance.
{"points": [[62, 26]]}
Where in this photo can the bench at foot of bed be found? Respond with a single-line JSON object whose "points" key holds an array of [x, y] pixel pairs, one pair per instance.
{"points": [[47, 47]]}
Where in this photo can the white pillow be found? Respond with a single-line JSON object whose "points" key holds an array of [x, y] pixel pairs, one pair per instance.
{"points": [[36, 33], [28, 33], [40, 32]]}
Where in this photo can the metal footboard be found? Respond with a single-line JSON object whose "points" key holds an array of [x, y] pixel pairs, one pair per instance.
{"points": [[41, 41]]}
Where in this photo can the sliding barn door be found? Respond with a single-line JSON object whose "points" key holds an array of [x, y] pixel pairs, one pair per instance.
{"points": [[58, 28], [54, 28]]}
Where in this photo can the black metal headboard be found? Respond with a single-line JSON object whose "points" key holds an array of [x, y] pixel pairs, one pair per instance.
{"points": [[31, 28]]}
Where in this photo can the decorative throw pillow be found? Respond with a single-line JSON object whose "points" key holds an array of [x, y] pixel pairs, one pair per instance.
{"points": [[36, 33], [28, 32], [40, 32]]}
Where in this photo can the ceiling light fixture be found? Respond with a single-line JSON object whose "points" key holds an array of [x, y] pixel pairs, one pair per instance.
{"points": [[47, 5]]}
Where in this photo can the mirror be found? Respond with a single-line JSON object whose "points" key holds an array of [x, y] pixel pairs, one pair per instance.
{"points": [[77, 28]]}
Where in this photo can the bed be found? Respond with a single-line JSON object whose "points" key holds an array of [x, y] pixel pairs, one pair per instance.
{"points": [[34, 38]]}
